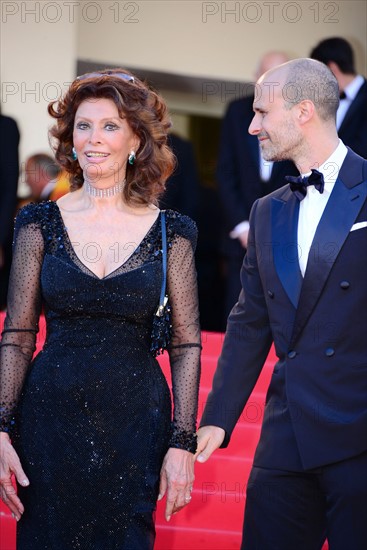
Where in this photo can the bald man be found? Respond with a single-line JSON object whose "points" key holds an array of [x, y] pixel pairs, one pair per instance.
{"points": [[304, 289], [243, 176], [41, 173]]}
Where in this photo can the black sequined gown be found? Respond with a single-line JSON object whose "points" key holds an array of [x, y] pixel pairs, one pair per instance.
{"points": [[93, 420]]}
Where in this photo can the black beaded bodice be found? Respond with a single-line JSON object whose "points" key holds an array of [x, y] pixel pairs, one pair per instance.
{"points": [[84, 310]]}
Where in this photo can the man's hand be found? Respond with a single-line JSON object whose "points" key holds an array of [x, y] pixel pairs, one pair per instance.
{"points": [[243, 238], [210, 438]]}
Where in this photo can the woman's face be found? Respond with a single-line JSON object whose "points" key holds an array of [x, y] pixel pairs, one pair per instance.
{"points": [[103, 141]]}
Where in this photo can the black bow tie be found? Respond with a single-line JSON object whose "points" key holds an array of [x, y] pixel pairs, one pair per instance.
{"points": [[299, 184]]}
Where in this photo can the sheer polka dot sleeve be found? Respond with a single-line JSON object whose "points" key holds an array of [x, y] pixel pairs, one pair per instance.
{"points": [[185, 347], [21, 323]]}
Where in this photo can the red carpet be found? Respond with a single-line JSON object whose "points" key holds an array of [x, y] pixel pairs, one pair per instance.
{"points": [[213, 520]]}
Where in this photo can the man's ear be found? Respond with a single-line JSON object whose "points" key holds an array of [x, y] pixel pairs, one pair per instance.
{"points": [[334, 68], [305, 111]]}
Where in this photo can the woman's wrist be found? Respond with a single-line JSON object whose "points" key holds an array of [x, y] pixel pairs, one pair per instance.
{"points": [[4, 436], [181, 439]]}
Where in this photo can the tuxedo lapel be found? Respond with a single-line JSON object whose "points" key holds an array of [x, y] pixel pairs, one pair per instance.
{"points": [[338, 217], [284, 244]]}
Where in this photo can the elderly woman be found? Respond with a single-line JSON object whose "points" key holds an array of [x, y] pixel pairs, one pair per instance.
{"points": [[95, 440]]}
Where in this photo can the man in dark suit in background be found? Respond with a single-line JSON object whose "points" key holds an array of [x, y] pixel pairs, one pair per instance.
{"points": [[351, 118], [41, 172], [182, 188], [304, 288], [243, 176], [9, 173]]}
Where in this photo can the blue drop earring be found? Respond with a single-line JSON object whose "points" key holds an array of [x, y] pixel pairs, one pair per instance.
{"points": [[131, 157], [75, 156]]}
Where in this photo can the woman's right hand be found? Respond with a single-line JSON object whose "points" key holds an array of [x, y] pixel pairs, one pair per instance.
{"points": [[10, 464]]}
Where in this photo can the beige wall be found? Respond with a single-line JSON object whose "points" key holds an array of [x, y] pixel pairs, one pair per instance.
{"points": [[41, 41], [37, 60], [204, 38]]}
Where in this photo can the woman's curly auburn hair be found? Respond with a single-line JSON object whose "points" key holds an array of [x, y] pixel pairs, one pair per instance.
{"points": [[147, 115]]}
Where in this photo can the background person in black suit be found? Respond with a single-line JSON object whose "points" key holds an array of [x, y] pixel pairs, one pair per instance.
{"points": [[351, 118], [243, 176], [9, 173], [182, 188], [304, 288]]}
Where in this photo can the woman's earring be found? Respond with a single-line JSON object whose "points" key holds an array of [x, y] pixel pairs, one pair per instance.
{"points": [[75, 156], [131, 157]]}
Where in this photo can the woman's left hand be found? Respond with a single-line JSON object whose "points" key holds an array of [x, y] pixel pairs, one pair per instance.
{"points": [[177, 478]]}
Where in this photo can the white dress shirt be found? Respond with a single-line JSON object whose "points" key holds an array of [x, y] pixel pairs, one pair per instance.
{"points": [[48, 188], [265, 166], [312, 206]]}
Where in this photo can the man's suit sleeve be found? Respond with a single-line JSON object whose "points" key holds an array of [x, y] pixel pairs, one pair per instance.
{"points": [[353, 130], [9, 173], [228, 170], [182, 187], [189, 181], [246, 346]]}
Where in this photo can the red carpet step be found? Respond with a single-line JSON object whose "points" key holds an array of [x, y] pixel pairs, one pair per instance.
{"points": [[213, 520]]}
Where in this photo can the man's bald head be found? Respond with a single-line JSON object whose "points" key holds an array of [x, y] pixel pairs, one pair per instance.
{"points": [[306, 78], [269, 61]]}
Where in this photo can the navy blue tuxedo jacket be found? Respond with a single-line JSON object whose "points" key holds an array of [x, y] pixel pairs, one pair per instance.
{"points": [[238, 173], [316, 405]]}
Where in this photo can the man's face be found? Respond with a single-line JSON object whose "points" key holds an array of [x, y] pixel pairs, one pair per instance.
{"points": [[34, 177], [274, 125]]}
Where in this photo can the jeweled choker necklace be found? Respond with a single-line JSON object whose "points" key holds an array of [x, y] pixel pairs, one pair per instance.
{"points": [[102, 193]]}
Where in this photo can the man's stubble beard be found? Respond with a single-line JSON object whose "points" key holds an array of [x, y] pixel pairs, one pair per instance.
{"points": [[288, 151]]}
